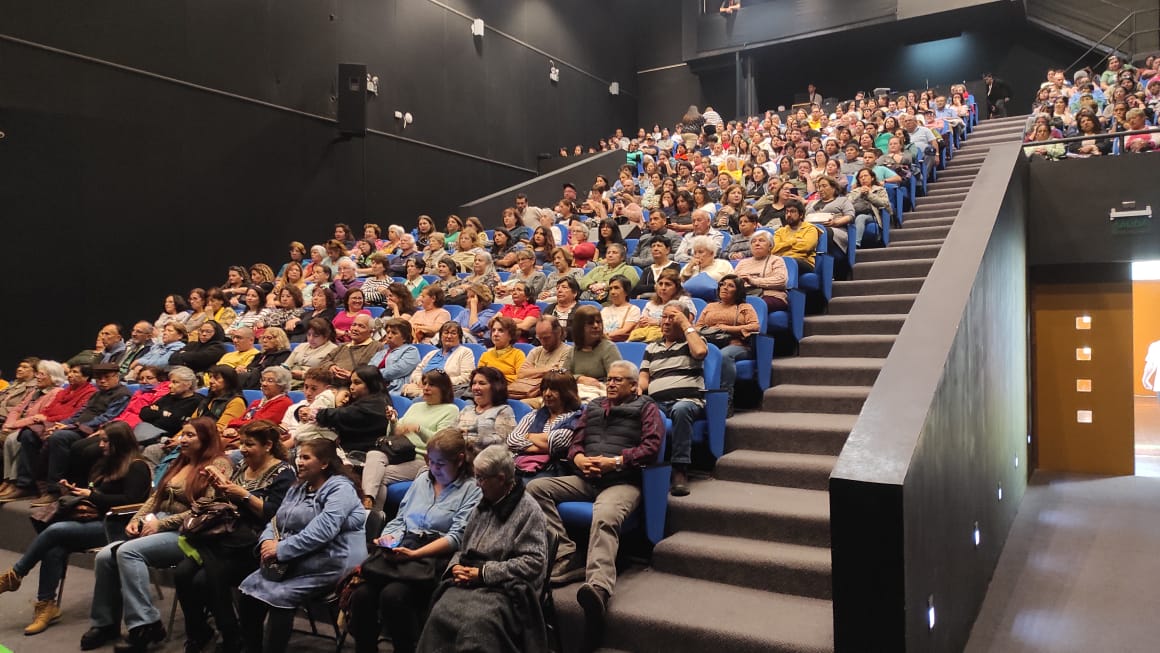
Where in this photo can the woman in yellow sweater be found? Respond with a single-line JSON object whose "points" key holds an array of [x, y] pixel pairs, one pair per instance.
{"points": [[503, 356]]}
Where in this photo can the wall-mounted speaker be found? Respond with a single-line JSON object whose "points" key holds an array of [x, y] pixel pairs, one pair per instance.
{"points": [[352, 99]]}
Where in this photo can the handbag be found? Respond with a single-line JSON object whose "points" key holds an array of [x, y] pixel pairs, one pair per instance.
{"points": [[382, 568], [524, 388], [273, 570], [209, 518], [716, 336], [69, 507], [398, 448]]}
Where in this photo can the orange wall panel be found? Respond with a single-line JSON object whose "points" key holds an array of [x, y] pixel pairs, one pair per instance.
{"points": [[1107, 444], [1145, 327]]}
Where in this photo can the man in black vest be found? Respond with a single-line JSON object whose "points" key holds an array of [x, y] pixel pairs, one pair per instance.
{"points": [[615, 437]]}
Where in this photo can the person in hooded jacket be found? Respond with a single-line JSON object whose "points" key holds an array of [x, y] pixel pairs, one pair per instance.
{"points": [[204, 351]]}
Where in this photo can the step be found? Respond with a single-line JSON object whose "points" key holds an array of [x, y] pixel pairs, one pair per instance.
{"points": [[945, 221], [876, 346], [902, 250], [921, 242], [761, 512], [771, 566], [954, 173], [805, 471], [789, 432], [849, 325], [942, 184], [863, 287], [826, 371], [894, 269], [872, 305], [944, 195], [906, 234], [838, 399], [654, 611], [943, 212], [942, 203]]}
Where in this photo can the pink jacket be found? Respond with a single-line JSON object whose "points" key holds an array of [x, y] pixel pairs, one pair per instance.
{"points": [[21, 416]]}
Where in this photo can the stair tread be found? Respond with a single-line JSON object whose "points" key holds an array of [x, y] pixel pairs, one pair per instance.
{"points": [[778, 460], [855, 299], [812, 362], [748, 551], [794, 421], [913, 243], [754, 499], [702, 613], [832, 391], [825, 319], [886, 264]]}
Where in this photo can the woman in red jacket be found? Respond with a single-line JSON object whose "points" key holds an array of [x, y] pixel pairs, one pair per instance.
{"points": [[272, 406]]}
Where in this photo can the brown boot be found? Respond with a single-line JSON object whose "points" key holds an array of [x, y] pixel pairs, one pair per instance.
{"points": [[47, 613], [10, 581]]}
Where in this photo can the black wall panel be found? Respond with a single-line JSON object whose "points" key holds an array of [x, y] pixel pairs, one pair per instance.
{"points": [[1068, 219]]}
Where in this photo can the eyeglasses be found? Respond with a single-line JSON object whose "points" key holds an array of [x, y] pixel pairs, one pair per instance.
{"points": [[618, 379]]}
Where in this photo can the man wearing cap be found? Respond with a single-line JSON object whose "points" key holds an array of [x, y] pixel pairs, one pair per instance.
{"points": [[569, 192], [60, 439]]}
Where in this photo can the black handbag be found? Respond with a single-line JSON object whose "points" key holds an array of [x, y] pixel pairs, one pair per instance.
{"points": [[398, 448], [274, 571], [382, 568], [208, 518]]}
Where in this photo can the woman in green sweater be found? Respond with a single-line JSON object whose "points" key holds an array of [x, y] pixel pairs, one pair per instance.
{"points": [[422, 420], [592, 352]]}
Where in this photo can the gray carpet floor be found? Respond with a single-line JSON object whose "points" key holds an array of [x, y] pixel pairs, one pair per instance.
{"points": [[1080, 571], [65, 635]]}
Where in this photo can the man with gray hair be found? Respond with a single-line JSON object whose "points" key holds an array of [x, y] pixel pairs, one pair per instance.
{"points": [[701, 227], [615, 437], [671, 374]]}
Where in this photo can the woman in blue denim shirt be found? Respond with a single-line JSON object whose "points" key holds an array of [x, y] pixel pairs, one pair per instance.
{"points": [[322, 527], [429, 528]]}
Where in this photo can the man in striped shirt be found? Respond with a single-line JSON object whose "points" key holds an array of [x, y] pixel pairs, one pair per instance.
{"points": [[671, 374]]}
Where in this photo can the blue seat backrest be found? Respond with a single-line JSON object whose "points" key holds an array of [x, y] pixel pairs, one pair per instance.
{"points": [[701, 286], [596, 305], [376, 311], [252, 396], [402, 404], [296, 396], [454, 310], [519, 408], [699, 304], [476, 349], [632, 352], [525, 347], [791, 273], [762, 310]]}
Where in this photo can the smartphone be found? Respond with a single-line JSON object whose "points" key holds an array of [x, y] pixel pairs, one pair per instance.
{"points": [[392, 545]]}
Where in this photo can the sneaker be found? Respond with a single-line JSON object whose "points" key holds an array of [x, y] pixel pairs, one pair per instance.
{"points": [[594, 601], [98, 636], [10, 581], [44, 499], [46, 614]]}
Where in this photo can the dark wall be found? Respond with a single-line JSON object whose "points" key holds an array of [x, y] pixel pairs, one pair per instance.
{"points": [[546, 189], [159, 186], [429, 64], [939, 434], [1068, 221], [993, 38]]}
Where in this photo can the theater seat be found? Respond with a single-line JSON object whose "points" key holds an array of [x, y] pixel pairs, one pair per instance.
{"points": [[759, 368]]}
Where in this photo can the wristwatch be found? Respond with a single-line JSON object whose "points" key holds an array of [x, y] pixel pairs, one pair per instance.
{"points": [[619, 463], [690, 330]]}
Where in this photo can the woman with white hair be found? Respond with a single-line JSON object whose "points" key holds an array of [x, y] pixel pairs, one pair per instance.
{"points": [[705, 260], [49, 379], [764, 275], [482, 271], [488, 599]]}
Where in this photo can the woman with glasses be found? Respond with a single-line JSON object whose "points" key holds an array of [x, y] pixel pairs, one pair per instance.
{"points": [[489, 599], [419, 542], [541, 438], [451, 357]]}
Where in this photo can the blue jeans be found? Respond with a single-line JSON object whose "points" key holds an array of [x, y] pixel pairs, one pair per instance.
{"points": [[682, 413], [730, 354], [51, 549], [122, 572]]}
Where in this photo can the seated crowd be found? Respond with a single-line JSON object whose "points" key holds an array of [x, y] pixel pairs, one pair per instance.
{"points": [[1123, 98], [378, 361]]}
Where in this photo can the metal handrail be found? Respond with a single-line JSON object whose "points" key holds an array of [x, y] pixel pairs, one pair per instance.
{"points": [[1132, 17]]}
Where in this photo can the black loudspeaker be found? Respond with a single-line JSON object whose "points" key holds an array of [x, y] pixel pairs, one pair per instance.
{"points": [[352, 99]]}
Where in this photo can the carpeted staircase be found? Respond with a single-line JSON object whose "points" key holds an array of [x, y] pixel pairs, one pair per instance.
{"points": [[747, 566]]}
